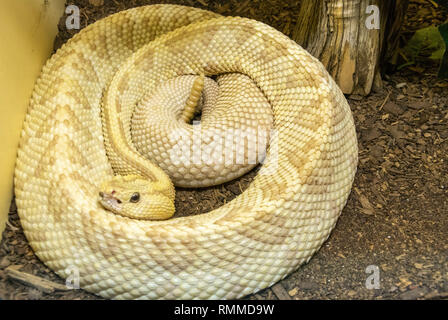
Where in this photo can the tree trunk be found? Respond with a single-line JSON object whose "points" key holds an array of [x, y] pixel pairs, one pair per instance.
{"points": [[350, 37]]}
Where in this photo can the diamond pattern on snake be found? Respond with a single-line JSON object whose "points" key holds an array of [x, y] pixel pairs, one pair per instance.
{"points": [[111, 131]]}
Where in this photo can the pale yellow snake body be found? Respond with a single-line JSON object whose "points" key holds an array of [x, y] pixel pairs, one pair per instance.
{"points": [[248, 244]]}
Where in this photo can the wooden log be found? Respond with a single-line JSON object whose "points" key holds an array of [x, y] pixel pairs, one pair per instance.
{"points": [[349, 37]]}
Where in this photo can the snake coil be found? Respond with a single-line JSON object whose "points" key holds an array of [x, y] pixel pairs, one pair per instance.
{"points": [[248, 244]]}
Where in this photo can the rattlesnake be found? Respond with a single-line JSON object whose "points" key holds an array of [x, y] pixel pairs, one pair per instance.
{"points": [[248, 244]]}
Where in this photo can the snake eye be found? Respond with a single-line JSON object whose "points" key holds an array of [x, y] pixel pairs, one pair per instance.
{"points": [[135, 197]]}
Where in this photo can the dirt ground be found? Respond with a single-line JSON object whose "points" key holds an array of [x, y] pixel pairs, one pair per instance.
{"points": [[396, 218]]}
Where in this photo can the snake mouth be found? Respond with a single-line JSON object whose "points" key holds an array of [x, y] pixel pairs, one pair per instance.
{"points": [[109, 202]]}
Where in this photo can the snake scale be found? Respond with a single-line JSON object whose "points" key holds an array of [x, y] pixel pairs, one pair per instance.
{"points": [[249, 243]]}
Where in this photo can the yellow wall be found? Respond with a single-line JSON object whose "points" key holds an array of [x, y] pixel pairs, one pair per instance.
{"points": [[27, 31]]}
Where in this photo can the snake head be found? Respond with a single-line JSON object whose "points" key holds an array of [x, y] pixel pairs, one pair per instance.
{"points": [[135, 197]]}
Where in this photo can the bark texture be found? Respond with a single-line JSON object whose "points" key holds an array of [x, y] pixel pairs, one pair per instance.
{"points": [[350, 38]]}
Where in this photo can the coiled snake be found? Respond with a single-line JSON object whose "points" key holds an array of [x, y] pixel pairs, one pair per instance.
{"points": [[96, 80]]}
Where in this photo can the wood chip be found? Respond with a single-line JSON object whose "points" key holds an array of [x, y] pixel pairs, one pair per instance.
{"points": [[351, 293], [259, 296], [371, 134], [96, 3], [280, 292], [41, 284], [4, 262], [404, 282], [393, 108], [204, 3], [396, 133], [367, 207], [293, 292]]}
